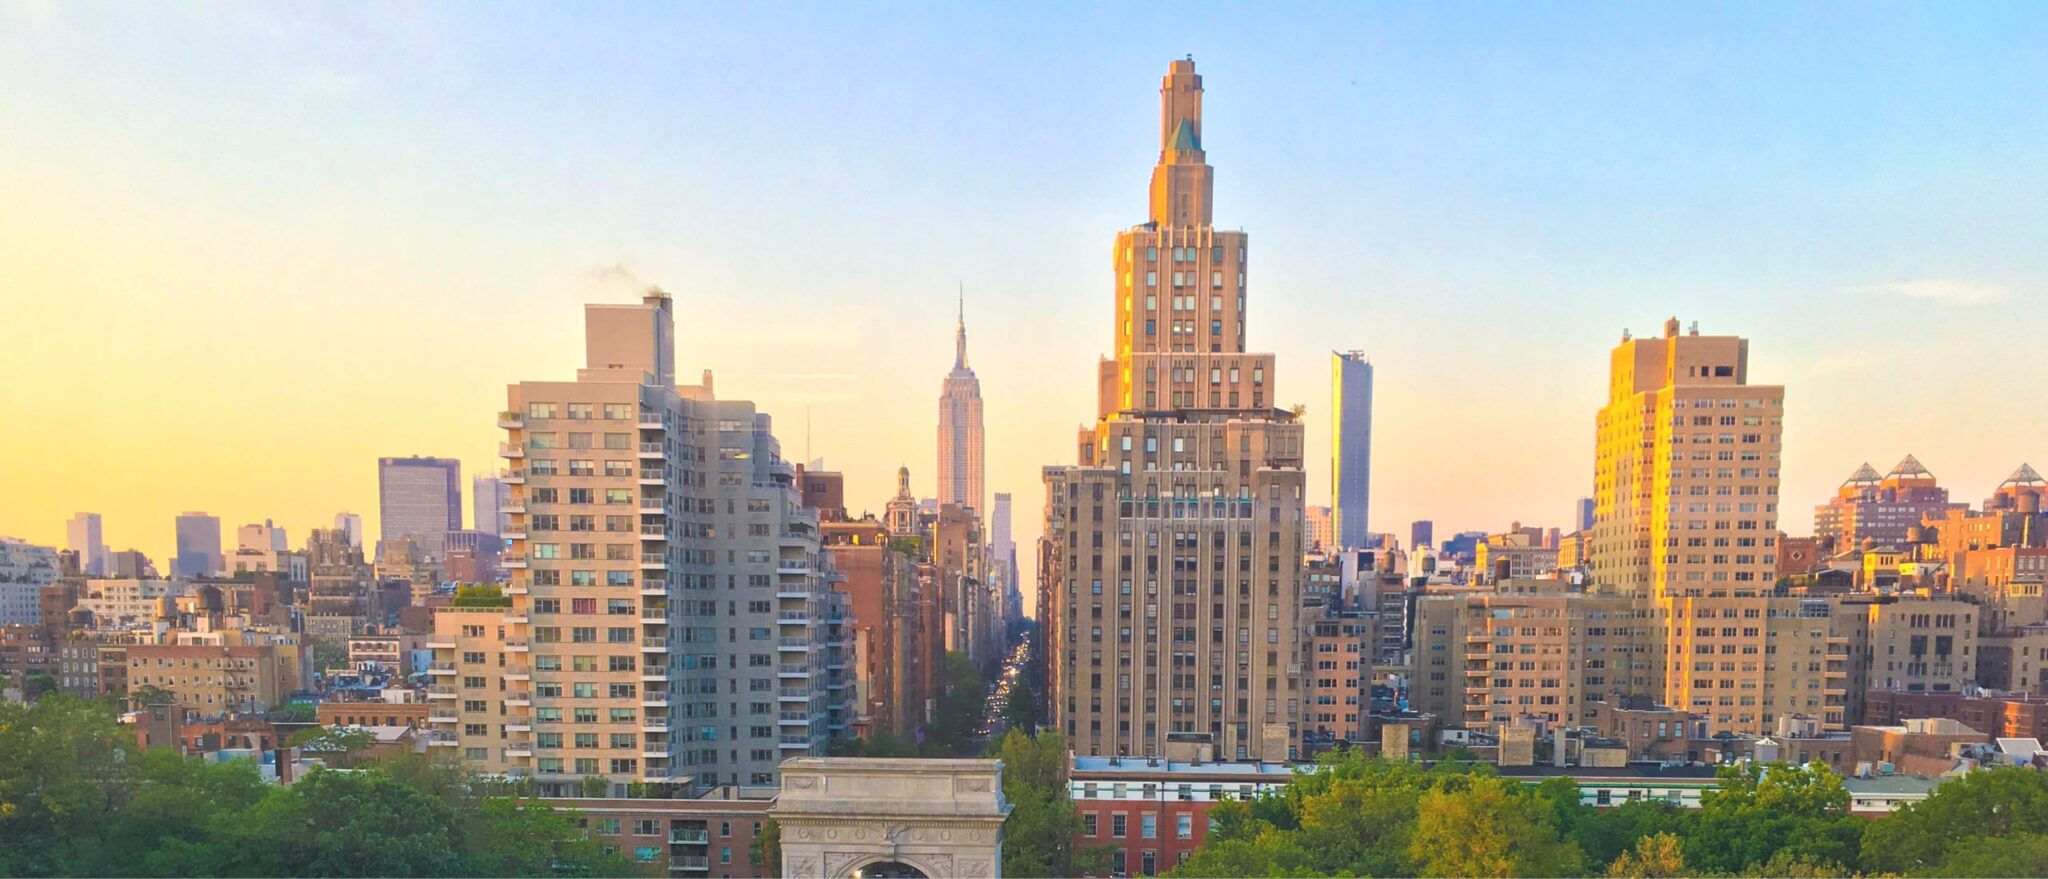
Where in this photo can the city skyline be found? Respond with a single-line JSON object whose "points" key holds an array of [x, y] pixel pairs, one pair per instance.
{"points": [[1793, 218]]}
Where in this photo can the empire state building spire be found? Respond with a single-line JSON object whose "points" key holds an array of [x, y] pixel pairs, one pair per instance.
{"points": [[960, 334]]}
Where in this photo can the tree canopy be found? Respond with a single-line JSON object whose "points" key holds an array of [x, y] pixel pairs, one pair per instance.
{"points": [[79, 798]]}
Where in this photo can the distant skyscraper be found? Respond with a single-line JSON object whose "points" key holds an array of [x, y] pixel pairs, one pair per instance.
{"points": [[1422, 533], [1189, 481], [419, 496], [85, 539], [199, 552], [1351, 445], [351, 525], [487, 496], [1002, 550], [960, 436], [1584, 521]]}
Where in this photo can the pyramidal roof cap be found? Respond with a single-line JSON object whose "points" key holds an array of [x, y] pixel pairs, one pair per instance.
{"points": [[2024, 476], [1865, 473], [1910, 467]]}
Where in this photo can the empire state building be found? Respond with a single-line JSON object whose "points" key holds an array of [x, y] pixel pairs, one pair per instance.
{"points": [[960, 435], [1171, 561]]}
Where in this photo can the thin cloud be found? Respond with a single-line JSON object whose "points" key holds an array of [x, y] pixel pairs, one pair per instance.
{"points": [[1942, 291]]}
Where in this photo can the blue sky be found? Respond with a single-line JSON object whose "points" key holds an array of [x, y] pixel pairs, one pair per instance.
{"points": [[297, 237]]}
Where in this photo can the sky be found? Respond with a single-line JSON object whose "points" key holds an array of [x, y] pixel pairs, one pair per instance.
{"points": [[247, 249]]}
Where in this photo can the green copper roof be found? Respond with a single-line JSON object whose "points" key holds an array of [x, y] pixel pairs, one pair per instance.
{"points": [[1184, 137]]}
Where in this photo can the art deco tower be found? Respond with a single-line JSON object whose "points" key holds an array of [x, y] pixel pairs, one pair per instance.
{"points": [[960, 437], [1171, 560]]}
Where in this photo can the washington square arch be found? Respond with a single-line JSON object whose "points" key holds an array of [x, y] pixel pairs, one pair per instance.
{"points": [[845, 817]]}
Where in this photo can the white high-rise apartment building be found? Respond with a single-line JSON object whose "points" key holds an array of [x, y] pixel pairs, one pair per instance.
{"points": [[672, 619]]}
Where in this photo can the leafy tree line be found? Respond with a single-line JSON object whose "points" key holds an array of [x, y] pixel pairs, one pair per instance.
{"points": [[1360, 816], [951, 732], [78, 798]]}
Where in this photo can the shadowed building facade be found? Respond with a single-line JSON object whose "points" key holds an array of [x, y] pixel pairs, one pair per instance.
{"points": [[1171, 559]]}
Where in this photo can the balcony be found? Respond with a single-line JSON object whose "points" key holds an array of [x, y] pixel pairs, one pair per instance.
{"points": [[509, 450], [653, 673], [442, 717], [518, 700], [512, 477], [790, 567], [518, 750], [514, 532], [689, 864], [652, 450], [515, 588], [653, 532], [794, 595], [651, 421], [518, 674], [439, 644], [652, 505], [793, 645], [795, 742], [441, 668], [789, 617], [686, 836], [441, 738], [653, 588], [657, 645], [441, 693], [510, 420], [513, 560], [654, 700], [793, 718], [519, 724], [789, 694], [793, 673], [520, 646], [653, 476], [658, 614], [655, 560]]}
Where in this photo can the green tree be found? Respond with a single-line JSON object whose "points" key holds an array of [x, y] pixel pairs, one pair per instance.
{"points": [[339, 823], [67, 767], [765, 852], [1760, 810], [2000, 802], [1491, 827], [515, 837], [2023, 854], [150, 696], [338, 746], [1657, 856], [1039, 838], [172, 824], [960, 709]]}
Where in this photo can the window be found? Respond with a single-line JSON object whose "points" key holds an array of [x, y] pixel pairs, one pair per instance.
{"points": [[1148, 826], [1117, 824], [1088, 827], [1184, 826]]}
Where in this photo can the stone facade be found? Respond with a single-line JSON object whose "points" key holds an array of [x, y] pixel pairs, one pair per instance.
{"points": [[843, 815]]}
